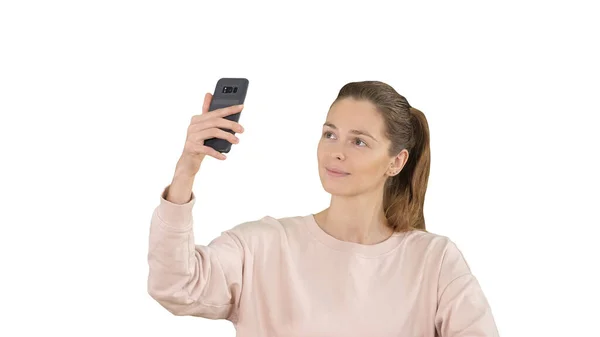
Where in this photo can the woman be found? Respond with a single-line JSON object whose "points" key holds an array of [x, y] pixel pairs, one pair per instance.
{"points": [[364, 266]]}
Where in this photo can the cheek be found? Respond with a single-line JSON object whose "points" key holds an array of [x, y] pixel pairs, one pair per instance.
{"points": [[323, 149], [373, 165], [320, 151]]}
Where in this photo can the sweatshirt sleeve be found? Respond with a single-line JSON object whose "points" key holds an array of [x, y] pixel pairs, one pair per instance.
{"points": [[189, 279], [463, 309]]}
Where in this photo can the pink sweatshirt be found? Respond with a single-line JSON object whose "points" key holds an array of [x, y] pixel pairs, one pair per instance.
{"points": [[287, 277]]}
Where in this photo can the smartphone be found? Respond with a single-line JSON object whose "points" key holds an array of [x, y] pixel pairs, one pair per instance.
{"points": [[228, 92]]}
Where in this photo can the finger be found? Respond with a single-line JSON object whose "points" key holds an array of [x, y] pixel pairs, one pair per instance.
{"points": [[206, 104], [209, 151], [200, 149], [230, 110], [216, 123], [222, 112], [201, 136]]}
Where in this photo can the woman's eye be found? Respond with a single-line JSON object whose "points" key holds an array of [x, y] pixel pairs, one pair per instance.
{"points": [[359, 142]]}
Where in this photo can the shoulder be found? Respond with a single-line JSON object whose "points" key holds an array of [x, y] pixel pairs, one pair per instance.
{"points": [[429, 243], [267, 228], [438, 252]]}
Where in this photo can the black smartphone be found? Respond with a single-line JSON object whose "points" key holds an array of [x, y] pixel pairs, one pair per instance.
{"points": [[228, 92]]}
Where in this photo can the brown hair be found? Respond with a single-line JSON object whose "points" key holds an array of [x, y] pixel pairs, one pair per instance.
{"points": [[407, 128]]}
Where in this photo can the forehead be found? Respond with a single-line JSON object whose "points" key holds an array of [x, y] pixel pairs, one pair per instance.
{"points": [[354, 114]]}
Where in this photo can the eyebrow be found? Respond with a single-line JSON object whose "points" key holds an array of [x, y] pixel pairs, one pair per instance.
{"points": [[356, 132]]}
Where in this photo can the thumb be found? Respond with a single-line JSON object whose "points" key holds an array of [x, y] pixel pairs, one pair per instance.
{"points": [[206, 104]]}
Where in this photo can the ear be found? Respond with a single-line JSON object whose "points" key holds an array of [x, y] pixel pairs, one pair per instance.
{"points": [[397, 163]]}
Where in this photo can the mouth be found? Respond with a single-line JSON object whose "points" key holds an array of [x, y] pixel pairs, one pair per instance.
{"points": [[336, 172]]}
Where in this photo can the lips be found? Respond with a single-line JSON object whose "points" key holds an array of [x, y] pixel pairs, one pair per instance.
{"points": [[336, 172]]}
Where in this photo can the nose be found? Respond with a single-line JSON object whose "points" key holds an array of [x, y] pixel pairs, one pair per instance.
{"points": [[339, 155]]}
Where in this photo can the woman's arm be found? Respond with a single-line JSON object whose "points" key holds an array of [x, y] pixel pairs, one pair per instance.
{"points": [[463, 309], [190, 279]]}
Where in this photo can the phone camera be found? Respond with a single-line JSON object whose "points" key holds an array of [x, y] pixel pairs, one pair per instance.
{"points": [[228, 90]]}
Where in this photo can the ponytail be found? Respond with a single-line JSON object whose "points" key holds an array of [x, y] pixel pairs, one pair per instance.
{"points": [[404, 195]]}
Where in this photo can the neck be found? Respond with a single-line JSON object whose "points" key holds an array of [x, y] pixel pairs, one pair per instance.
{"points": [[359, 218]]}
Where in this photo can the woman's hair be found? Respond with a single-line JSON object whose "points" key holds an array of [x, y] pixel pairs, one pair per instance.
{"points": [[407, 128]]}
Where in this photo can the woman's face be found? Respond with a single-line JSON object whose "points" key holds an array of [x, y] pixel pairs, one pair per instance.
{"points": [[353, 152]]}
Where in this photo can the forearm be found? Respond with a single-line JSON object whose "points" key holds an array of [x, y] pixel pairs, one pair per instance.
{"points": [[180, 190]]}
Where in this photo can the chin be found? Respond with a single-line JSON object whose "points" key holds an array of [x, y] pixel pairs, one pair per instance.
{"points": [[338, 191], [347, 187], [338, 187]]}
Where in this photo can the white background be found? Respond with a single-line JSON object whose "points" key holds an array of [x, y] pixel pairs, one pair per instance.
{"points": [[96, 96]]}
